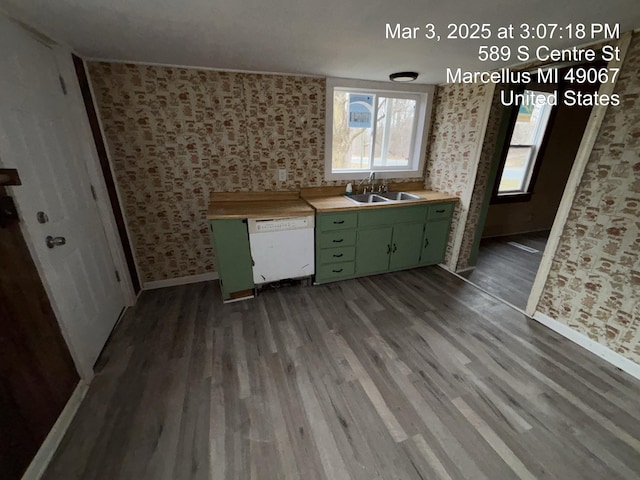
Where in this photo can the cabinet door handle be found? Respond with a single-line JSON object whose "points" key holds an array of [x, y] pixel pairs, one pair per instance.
{"points": [[340, 240], [395, 247], [338, 255], [388, 248], [342, 221], [426, 242], [440, 211], [336, 271]]}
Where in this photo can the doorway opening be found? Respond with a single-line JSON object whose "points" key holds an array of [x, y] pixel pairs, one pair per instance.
{"points": [[537, 143]]}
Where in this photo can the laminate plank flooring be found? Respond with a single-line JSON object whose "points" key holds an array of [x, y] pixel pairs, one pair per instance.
{"points": [[409, 375], [507, 271]]}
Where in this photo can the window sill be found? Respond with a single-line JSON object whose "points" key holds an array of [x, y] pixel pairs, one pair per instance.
{"points": [[511, 198]]}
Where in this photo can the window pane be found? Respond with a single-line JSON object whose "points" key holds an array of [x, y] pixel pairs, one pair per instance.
{"points": [[528, 122], [351, 146], [516, 169], [525, 141], [394, 132]]}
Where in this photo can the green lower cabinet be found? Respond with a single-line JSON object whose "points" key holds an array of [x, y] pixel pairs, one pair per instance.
{"points": [[434, 242], [406, 246], [334, 271], [230, 240], [372, 250], [377, 240], [335, 246], [333, 255]]}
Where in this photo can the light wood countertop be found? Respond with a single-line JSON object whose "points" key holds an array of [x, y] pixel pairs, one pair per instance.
{"points": [[227, 205], [331, 199]]}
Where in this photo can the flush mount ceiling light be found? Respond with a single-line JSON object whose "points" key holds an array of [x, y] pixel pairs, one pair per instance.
{"points": [[403, 76]]}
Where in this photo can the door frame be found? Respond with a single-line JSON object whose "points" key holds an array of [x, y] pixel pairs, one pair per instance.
{"points": [[582, 157], [77, 110], [77, 116], [95, 123]]}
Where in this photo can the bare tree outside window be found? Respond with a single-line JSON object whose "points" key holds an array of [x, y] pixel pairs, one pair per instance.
{"points": [[389, 144]]}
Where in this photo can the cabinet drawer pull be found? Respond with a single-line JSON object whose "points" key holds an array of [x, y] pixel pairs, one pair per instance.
{"points": [[342, 221], [340, 240], [338, 255], [440, 211], [336, 271]]}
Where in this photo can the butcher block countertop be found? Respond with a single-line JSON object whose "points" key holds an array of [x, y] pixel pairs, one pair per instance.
{"points": [[331, 199], [227, 205]]}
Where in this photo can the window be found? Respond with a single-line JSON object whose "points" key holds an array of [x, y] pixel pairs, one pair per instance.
{"points": [[524, 145], [372, 128]]}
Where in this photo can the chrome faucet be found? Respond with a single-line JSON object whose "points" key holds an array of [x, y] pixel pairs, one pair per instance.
{"points": [[371, 179]]}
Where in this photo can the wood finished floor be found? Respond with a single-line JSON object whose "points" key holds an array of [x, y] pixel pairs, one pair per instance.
{"points": [[409, 375], [507, 271]]}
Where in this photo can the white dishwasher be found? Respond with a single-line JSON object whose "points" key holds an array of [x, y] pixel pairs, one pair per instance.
{"points": [[281, 248]]}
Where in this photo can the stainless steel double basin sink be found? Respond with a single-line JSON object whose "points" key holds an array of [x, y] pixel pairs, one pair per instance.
{"points": [[387, 197]]}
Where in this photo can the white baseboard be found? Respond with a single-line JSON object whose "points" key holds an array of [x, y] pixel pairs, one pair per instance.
{"points": [[615, 359], [444, 267], [468, 269], [50, 445], [172, 282]]}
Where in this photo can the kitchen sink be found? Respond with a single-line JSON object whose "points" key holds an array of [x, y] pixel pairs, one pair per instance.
{"points": [[399, 196], [367, 198]]}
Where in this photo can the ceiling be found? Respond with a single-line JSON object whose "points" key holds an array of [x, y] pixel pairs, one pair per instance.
{"points": [[341, 38]]}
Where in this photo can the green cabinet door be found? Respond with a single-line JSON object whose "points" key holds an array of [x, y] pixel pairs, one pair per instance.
{"points": [[406, 245], [434, 242], [372, 250], [233, 256]]}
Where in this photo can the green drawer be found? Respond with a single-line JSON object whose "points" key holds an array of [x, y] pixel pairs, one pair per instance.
{"points": [[440, 211], [343, 254], [336, 221], [392, 215], [335, 271], [339, 238]]}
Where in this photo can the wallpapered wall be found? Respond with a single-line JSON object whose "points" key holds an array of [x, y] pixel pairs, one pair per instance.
{"points": [[482, 180], [176, 134], [594, 283], [456, 138]]}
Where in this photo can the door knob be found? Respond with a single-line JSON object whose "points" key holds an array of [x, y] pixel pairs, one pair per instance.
{"points": [[55, 241]]}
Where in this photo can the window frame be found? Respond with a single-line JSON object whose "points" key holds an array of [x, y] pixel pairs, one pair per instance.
{"points": [[542, 135], [422, 93]]}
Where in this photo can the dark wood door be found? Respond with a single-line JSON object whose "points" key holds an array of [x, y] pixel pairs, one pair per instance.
{"points": [[37, 374]]}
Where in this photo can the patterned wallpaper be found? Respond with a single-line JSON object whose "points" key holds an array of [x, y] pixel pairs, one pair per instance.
{"points": [[594, 283], [482, 180], [454, 144], [177, 134]]}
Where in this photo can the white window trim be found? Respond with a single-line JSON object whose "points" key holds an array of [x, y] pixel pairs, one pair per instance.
{"points": [[426, 93], [538, 138]]}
